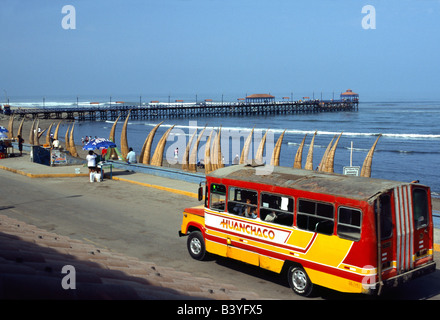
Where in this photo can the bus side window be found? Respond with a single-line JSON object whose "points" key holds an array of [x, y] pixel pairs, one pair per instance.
{"points": [[349, 223], [420, 207], [386, 221], [217, 197], [276, 209], [315, 216]]}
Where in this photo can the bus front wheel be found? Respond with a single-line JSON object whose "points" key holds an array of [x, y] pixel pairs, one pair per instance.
{"points": [[299, 281], [196, 245]]}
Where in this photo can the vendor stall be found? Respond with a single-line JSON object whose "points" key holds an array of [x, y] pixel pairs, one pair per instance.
{"points": [[6, 148], [101, 144]]}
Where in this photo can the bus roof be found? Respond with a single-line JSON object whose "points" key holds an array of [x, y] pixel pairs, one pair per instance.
{"points": [[359, 188]]}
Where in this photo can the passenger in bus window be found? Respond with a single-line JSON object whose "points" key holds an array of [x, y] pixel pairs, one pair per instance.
{"points": [[270, 217], [239, 209], [249, 212]]}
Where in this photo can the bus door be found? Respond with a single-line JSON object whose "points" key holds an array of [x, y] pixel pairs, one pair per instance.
{"points": [[405, 234], [386, 254], [242, 207], [413, 236], [404, 228], [423, 232]]}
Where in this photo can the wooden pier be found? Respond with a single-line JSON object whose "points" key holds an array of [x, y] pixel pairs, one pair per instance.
{"points": [[164, 111]]}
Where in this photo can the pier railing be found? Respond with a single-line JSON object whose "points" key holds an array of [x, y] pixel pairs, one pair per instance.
{"points": [[188, 110]]}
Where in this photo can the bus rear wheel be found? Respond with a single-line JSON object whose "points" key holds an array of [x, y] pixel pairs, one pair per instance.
{"points": [[196, 245], [299, 281]]}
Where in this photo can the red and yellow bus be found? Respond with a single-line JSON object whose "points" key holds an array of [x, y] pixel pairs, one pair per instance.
{"points": [[347, 233]]}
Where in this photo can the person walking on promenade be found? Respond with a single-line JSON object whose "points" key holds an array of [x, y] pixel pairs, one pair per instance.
{"points": [[91, 164], [20, 144], [176, 155]]}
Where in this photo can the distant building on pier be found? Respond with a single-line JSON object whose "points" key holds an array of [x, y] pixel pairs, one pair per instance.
{"points": [[349, 95], [261, 97]]}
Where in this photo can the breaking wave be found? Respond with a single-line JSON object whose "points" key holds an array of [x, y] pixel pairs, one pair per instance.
{"points": [[403, 136]]}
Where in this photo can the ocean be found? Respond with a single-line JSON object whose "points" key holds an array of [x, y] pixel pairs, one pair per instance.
{"points": [[409, 148]]}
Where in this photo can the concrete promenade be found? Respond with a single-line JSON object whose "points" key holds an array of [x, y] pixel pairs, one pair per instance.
{"points": [[115, 276]]}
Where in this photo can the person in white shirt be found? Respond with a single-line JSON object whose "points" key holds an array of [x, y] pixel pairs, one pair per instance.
{"points": [[91, 161], [131, 156]]}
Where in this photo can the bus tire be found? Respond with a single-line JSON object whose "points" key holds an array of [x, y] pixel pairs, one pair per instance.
{"points": [[299, 281], [196, 245]]}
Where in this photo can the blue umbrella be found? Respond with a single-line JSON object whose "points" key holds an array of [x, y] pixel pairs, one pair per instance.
{"points": [[99, 143], [3, 129]]}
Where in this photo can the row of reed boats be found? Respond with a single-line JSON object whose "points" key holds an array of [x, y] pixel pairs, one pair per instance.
{"points": [[213, 155]]}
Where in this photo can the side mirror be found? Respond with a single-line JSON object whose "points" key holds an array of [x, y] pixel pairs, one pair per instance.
{"points": [[200, 197]]}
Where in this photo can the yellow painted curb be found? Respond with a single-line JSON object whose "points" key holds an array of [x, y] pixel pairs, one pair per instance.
{"points": [[181, 192], [60, 175], [57, 175], [45, 175], [13, 170]]}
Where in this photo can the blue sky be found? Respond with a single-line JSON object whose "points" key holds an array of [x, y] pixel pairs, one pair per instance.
{"points": [[207, 47]]}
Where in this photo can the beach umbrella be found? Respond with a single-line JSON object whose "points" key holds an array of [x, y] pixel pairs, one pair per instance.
{"points": [[99, 143], [3, 129], [3, 135]]}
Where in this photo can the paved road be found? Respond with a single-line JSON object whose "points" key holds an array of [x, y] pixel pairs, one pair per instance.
{"points": [[143, 222]]}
